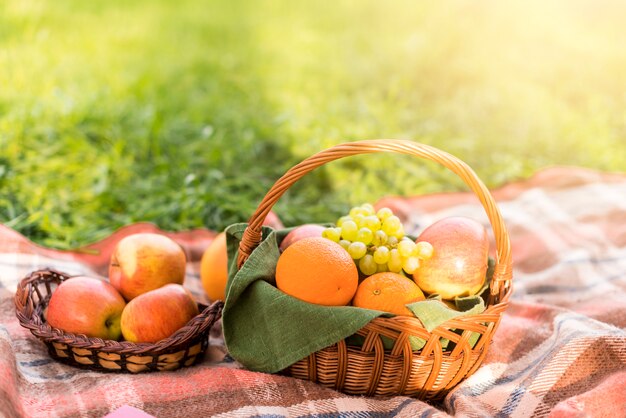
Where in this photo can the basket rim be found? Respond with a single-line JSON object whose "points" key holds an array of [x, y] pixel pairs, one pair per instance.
{"points": [[30, 316]]}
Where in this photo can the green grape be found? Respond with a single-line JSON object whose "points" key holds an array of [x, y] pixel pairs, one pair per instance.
{"points": [[349, 230], [406, 247], [344, 243], [341, 220], [392, 241], [372, 222], [395, 261], [381, 255], [357, 211], [382, 268], [359, 220], [332, 234], [368, 209], [411, 264], [423, 250], [357, 250], [380, 238], [365, 236], [399, 232], [384, 213], [391, 225], [367, 265]]}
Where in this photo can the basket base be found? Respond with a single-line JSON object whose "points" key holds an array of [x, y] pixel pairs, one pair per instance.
{"points": [[358, 375]]}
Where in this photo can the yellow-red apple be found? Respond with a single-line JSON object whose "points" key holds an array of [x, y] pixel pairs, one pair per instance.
{"points": [[214, 268], [460, 258], [144, 262], [300, 232], [157, 314], [86, 305], [214, 263]]}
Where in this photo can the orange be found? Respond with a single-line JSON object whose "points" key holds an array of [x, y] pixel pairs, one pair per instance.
{"points": [[387, 292], [317, 270], [214, 268]]}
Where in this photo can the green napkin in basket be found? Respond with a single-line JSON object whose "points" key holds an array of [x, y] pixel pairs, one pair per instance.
{"points": [[267, 330]]}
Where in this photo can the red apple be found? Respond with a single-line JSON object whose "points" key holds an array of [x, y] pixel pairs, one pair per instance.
{"points": [[157, 314], [300, 232], [272, 220], [85, 305], [460, 258], [144, 262]]}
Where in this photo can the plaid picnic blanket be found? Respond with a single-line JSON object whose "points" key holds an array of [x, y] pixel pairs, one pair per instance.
{"points": [[560, 349]]}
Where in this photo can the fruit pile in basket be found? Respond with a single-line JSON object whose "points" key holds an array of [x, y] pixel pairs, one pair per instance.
{"points": [[366, 260], [143, 302]]}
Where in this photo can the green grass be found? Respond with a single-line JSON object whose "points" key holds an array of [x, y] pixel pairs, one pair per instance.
{"points": [[184, 113]]}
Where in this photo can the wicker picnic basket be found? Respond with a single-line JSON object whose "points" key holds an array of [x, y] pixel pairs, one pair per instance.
{"points": [[371, 369], [184, 348]]}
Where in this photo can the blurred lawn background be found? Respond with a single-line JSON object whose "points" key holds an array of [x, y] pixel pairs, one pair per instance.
{"points": [[184, 113]]}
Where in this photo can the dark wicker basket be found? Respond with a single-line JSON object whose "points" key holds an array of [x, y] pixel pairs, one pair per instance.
{"points": [[184, 348]]}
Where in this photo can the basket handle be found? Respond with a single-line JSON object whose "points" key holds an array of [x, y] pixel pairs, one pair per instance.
{"points": [[503, 272]]}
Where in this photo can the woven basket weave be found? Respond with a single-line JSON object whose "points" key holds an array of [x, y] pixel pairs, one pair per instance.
{"points": [[370, 369], [184, 348]]}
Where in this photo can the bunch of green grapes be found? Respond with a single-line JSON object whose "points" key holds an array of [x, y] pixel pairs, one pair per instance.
{"points": [[376, 241]]}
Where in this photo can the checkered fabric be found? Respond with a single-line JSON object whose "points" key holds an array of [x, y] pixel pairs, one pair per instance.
{"points": [[560, 349]]}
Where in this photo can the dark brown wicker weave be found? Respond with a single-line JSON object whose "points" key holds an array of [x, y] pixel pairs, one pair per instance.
{"points": [[370, 369], [183, 348]]}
